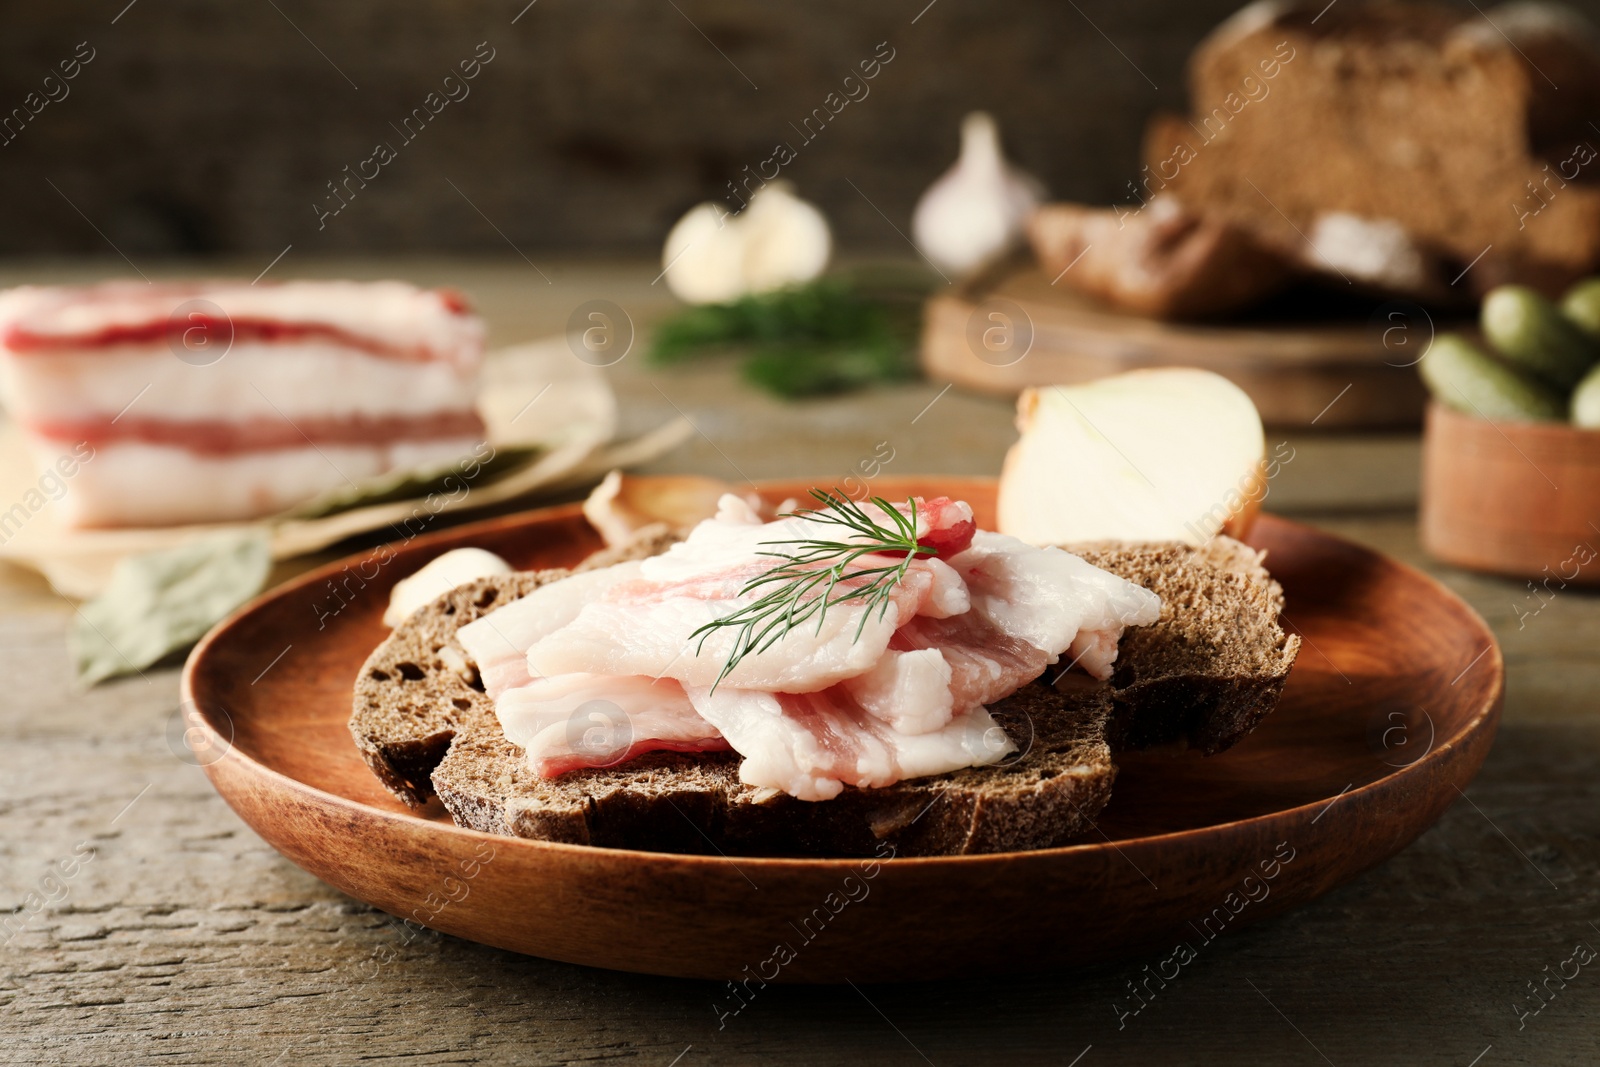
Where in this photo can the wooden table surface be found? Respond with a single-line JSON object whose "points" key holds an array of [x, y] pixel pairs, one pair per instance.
{"points": [[179, 937]]}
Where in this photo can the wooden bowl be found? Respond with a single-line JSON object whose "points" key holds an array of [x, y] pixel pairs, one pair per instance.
{"points": [[1386, 717], [1515, 498]]}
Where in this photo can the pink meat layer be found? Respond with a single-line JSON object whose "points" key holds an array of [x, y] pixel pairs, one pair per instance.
{"points": [[220, 438], [388, 319]]}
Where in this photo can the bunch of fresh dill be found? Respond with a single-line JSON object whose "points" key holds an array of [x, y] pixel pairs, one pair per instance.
{"points": [[838, 333]]}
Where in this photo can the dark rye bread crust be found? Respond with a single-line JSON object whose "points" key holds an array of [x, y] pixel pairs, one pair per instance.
{"points": [[1213, 666], [425, 729], [1050, 791], [411, 697]]}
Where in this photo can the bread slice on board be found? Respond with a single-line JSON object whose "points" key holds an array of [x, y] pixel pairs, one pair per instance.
{"points": [[1162, 262], [425, 728]]}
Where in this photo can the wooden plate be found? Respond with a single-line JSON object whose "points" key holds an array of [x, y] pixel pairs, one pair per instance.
{"points": [[1011, 328], [1389, 711]]}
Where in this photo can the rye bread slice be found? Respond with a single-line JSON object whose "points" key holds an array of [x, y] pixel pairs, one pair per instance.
{"points": [[1046, 793], [1213, 666], [417, 689], [425, 728]]}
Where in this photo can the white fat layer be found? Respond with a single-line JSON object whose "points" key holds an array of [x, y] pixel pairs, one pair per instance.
{"points": [[499, 641], [783, 751], [908, 690], [310, 379], [948, 596], [725, 535], [135, 484], [613, 638], [597, 718], [1048, 597], [1095, 651], [652, 627]]}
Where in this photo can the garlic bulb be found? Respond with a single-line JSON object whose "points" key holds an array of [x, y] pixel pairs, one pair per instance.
{"points": [[436, 578], [711, 257], [704, 258], [976, 210]]}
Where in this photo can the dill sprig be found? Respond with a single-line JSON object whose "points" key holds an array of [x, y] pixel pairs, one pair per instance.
{"points": [[807, 583]]}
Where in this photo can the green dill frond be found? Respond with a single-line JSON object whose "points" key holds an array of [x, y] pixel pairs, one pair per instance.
{"points": [[808, 581]]}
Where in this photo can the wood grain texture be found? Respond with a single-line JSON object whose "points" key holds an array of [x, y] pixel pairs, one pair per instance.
{"points": [[1184, 841], [1040, 334], [1515, 498]]}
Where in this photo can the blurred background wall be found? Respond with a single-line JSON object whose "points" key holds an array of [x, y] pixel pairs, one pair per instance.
{"points": [[206, 127]]}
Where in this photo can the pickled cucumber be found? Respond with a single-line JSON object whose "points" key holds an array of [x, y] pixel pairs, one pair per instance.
{"points": [[1461, 375], [1586, 401], [1533, 334], [1582, 306]]}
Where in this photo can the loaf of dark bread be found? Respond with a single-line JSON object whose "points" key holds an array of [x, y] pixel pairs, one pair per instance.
{"points": [[1394, 144], [426, 728]]}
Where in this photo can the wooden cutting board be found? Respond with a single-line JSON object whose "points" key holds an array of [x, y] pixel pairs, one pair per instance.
{"points": [[1011, 328]]}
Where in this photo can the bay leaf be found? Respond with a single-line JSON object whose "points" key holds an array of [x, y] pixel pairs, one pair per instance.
{"points": [[158, 603], [415, 483]]}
